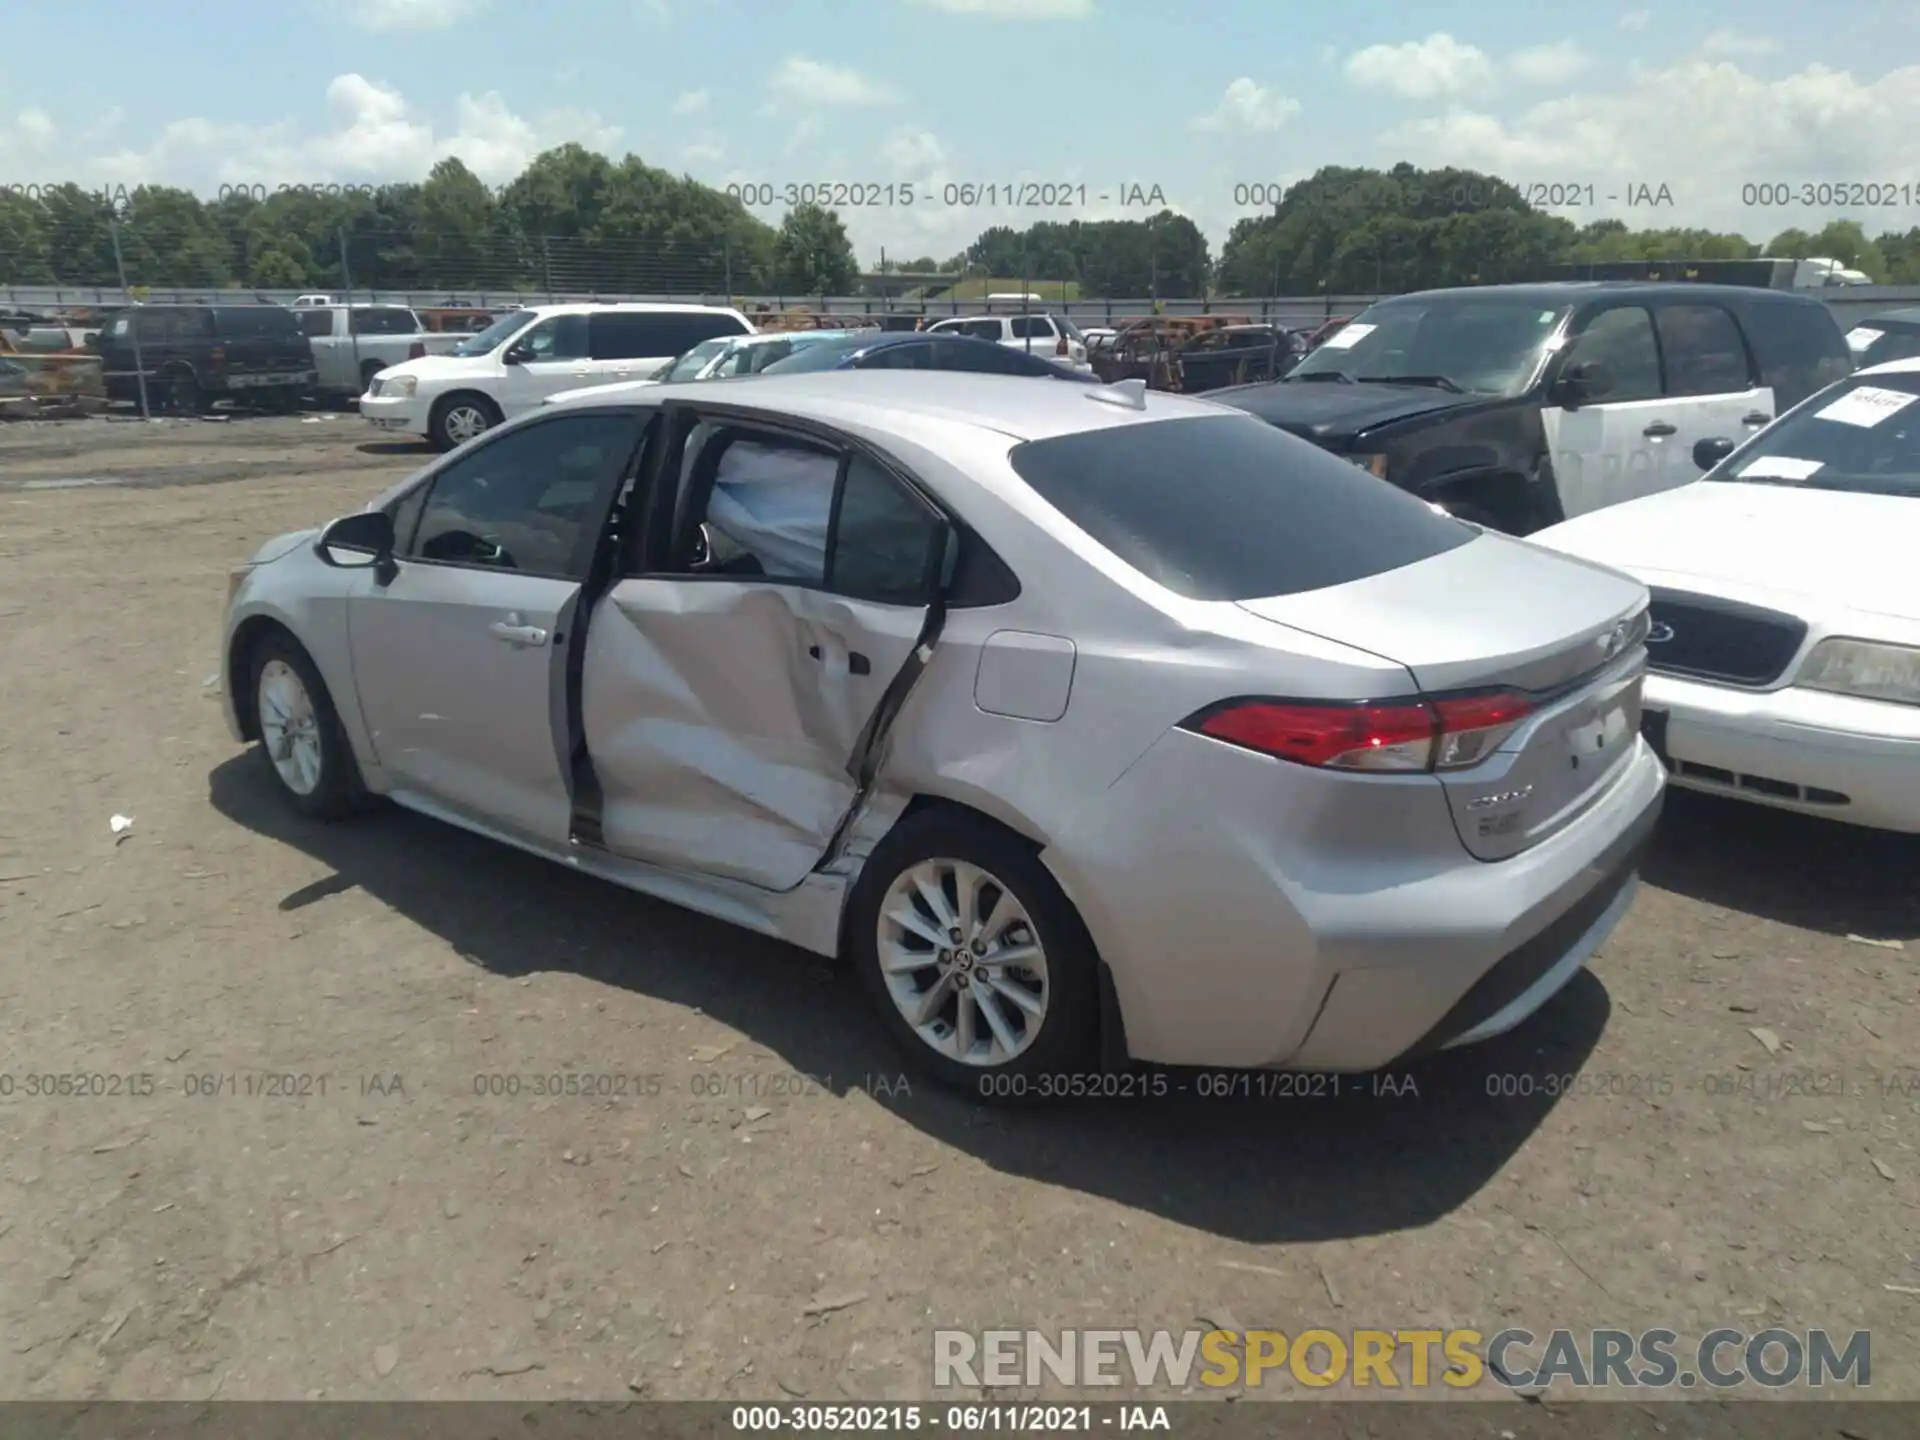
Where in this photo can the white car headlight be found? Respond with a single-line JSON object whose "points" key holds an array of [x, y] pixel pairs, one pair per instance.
{"points": [[1864, 668], [395, 387]]}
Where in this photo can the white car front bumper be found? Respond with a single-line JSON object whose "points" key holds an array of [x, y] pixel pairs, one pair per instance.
{"points": [[395, 414], [1802, 750]]}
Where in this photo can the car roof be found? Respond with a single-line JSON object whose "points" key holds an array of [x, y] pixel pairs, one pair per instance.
{"points": [[630, 307], [1907, 316], [1009, 405], [1904, 366], [1569, 292]]}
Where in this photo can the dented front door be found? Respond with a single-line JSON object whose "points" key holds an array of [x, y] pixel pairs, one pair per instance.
{"points": [[723, 717]]}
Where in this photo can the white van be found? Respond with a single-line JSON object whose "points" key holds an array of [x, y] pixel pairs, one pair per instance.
{"points": [[523, 357]]}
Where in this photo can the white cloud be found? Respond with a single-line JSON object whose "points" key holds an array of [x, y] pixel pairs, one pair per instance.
{"points": [[1430, 69], [395, 17], [691, 102], [703, 152], [658, 9], [1635, 19], [1553, 64], [1012, 9], [1740, 129], [1733, 45], [374, 136], [814, 82], [803, 135], [1247, 106]]}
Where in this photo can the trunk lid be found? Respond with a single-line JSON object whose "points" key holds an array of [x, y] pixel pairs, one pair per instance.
{"points": [[1503, 614]]}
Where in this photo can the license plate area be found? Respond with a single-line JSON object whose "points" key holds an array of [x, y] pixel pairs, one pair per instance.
{"points": [[1653, 725]]}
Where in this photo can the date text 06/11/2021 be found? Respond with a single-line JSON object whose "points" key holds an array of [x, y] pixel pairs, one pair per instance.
{"points": [[958, 195]]}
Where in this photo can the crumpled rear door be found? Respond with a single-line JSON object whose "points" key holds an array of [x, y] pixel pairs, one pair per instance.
{"points": [[724, 716]]}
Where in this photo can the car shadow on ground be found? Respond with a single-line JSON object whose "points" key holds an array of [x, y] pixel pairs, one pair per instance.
{"points": [[395, 447], [1813, 874], [1268, 1165]]}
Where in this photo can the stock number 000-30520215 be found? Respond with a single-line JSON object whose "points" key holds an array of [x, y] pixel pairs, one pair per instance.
{"points": [[1845, 195]]}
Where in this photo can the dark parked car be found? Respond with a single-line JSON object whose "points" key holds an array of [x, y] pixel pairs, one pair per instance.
{"points": [[1517, 406], [922, 351], [1235, 355], [193, 355], [1890, 335]]}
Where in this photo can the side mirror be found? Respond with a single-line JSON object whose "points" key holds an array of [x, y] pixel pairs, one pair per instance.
{"points": [[1709, 453], [1582, 383], [361, 541], [517, 354]]}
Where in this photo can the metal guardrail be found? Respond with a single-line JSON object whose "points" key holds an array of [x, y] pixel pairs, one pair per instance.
{"points": [[1849, 303]]}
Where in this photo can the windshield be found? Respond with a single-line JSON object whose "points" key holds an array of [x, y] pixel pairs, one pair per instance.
{"points": [[689, 365], [822, 355], [1482, 344], [1862, 434], [495, 335]]}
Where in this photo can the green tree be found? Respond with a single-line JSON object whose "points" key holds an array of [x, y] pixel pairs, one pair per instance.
{"points": [[812, 255]]}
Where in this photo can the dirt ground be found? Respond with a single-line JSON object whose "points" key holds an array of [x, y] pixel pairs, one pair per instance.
{"points": [[376, 1224]]}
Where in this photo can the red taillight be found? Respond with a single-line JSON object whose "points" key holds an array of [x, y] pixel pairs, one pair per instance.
{"points": [[217, 355], [417, 350], [1061, 347], [1413, 735]]}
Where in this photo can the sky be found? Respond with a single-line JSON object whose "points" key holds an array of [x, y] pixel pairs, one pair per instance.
{"points": [[1215, 105]]}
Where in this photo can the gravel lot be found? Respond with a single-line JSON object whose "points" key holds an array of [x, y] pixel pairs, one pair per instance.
{"points": [[389, 1231]]}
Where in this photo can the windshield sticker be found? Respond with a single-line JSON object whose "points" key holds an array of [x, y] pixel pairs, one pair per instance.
{"points": [[1860, 337], [1778, 467], [1546, 316], [1867, 406], [1348, 336]]}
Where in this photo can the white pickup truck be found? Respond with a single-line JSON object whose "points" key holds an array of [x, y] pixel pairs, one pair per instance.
{"points": [[353, 343]]}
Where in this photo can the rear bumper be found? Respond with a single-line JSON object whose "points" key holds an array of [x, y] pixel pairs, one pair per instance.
{"points": [[1323, 922], [1801, 750]]}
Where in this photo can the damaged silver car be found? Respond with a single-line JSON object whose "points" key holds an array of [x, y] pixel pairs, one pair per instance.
{"points": [[1090, 726]]}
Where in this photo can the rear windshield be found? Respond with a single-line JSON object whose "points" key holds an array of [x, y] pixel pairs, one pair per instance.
{"points": [[384, 320], [256, 321], [1229, 508]]}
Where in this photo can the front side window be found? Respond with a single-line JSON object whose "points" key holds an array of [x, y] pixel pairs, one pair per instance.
{"points": [[1862, 435], [1621, 340], [497, 334], [1488, 345], [527, 501], [563, 337]]}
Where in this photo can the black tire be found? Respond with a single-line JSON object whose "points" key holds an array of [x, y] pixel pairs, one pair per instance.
{"points": [[183, 394], [1067, 1042], [448, 406], [340, 791]]}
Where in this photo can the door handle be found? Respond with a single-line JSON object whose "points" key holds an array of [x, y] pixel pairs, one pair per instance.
{"points": [[1660, 429], [1756, 418], [857, 664], [513, 631]]}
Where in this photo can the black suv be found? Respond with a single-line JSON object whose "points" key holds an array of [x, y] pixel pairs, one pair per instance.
{"points": [[1890, 335], [1517, 406], [193, 355]]}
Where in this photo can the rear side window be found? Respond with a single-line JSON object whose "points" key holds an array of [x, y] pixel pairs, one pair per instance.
{"points": [[1800, 346], [1703, 350], [901, 357], [1229, 508], [1033, 327], [257, 322], [634, 335], [316, 323], [382, 320], [982, 329]]}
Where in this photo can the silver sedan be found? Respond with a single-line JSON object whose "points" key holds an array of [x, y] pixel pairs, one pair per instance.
{"points": [[1090, 726]]}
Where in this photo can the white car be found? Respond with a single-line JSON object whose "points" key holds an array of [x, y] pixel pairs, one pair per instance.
{"points": [[525, 356], [1051, 337], [1785, 647]]}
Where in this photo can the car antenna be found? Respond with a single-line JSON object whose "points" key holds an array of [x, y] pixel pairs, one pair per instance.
{"points": [[1130, 393]]}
